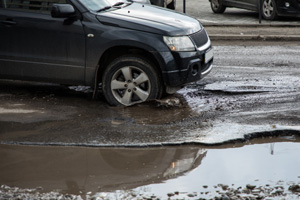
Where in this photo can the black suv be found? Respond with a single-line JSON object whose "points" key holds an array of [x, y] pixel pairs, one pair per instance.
{"points": [[136, 52]]}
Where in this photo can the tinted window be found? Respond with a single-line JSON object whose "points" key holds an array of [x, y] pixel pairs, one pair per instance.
{"points": [[40, 6]]}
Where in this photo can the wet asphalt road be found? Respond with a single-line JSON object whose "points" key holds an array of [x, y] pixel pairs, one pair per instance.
{"points": [[252, 89]]}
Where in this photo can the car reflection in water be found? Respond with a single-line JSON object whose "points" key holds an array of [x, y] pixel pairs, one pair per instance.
{"points": [[78, 170]]}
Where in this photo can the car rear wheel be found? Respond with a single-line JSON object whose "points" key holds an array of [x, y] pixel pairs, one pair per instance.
{"points": [[269, 9], [129, 80], [217, 6]]}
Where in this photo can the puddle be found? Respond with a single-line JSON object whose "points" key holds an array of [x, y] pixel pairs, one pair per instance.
{"points": [[190, 172]]}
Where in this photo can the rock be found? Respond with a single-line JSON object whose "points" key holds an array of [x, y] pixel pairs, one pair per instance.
{"points": [[250, 187], [294, 188], [224, 187], [169, 102], [170, 194], [225, 197], [277, 192], [256, 191], [246, 191], [192, 195]]}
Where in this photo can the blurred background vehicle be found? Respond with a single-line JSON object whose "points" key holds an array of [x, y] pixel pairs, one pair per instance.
{"points": [[270, 9]]}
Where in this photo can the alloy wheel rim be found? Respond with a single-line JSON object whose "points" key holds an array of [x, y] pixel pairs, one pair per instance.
{"points": [[130, 85], [268, 8], [215, 4]]}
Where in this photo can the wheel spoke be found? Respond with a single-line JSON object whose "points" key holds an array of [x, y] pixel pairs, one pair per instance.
{"points": [[126, 99], [126, 71], [265, 4], [267, 8], [215, 3], [143, 95], [116, 85], [141, 79]]}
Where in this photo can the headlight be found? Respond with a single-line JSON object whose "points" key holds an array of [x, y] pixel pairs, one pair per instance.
{"points": [[180, 43]]}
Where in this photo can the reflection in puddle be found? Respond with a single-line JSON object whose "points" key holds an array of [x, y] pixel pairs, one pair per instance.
{"points": [[78, 170], [178, 171], [273, 164]]}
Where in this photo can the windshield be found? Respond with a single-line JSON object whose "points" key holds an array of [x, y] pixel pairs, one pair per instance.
{"points": [[98, 5]]}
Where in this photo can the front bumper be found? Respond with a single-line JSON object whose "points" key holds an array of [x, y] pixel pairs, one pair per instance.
{"points": [[293, 8], [193, 67]]}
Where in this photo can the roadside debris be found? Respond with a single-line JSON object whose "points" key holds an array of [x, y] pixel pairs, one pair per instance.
{"points": [[221, 192]]}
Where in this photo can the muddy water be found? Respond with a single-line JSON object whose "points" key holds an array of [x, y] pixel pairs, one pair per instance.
{"points": [[183, 170]]}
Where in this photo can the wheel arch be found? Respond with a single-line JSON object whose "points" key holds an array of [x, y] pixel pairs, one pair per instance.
{"points": [[117, 51], [114, 52]]}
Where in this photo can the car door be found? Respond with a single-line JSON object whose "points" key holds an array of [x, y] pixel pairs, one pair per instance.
{"points": [[245, 4], [35, 46]]}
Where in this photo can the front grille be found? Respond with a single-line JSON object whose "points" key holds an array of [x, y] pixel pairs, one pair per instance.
{"points": [[200, 38]]}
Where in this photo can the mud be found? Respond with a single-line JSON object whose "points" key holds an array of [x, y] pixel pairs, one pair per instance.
{"points": [[270, 166], [250, 90]]}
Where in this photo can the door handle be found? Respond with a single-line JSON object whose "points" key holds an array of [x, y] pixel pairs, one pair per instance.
{"points": [[8, 22]]}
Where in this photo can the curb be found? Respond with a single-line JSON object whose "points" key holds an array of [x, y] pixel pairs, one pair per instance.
{"points": [[255, 37], [252, 25]]}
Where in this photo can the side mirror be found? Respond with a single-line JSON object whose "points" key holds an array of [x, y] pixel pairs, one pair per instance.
{"points": [[62, 11]]}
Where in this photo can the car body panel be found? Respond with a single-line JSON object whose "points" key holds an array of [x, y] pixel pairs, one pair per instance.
{"points": [[292, 10], [151, 19], [107, 36], [244, 4], [37, 46]]}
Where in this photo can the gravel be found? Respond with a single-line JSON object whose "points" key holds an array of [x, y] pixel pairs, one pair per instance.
{"points": [[219, 192]]}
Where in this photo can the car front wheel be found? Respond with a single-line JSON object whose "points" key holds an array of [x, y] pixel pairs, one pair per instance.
{"points": [[161, 3], [129, 80], [217, 6], [269, 9]]}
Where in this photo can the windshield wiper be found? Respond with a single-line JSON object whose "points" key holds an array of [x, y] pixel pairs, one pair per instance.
{"points": [[113, 6], [104, 8], [118, 4]]}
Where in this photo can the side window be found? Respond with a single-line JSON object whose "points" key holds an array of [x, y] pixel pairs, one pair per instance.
{"points": [[37, 6]]}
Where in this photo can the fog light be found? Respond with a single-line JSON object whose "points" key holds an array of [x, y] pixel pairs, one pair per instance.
{"points": [[287, 4], [195, 69]]}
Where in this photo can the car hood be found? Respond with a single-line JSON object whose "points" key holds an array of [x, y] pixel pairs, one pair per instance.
{"points": [[150, 19]]}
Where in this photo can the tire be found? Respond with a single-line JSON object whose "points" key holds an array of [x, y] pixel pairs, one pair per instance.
{"points": [[129, 80], [269, 9], [161, 3], [172, 5], [217, 6]]}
